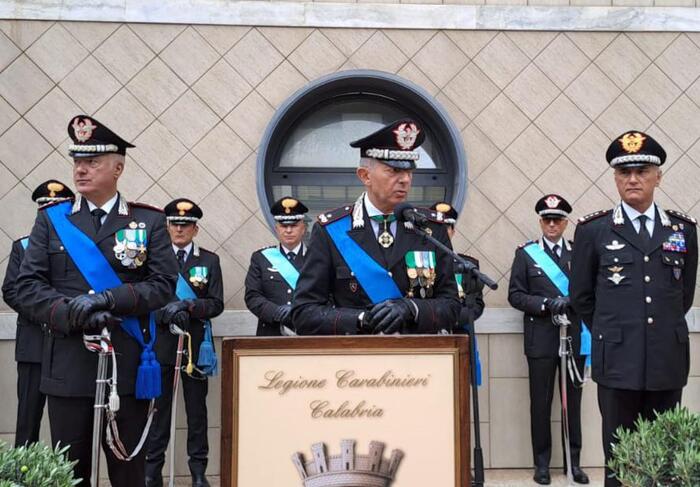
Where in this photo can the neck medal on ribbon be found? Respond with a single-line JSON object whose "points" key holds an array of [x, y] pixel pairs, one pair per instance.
{"points": [[199, 276], [420, 268], [130, 247]]}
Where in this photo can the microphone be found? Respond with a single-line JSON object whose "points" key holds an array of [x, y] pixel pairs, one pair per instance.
{"points": [[406, 212]]}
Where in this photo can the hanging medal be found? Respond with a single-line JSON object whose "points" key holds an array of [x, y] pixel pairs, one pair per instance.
{"points": [[199, 276], [460, 287], [385, 238], [412, 272]]}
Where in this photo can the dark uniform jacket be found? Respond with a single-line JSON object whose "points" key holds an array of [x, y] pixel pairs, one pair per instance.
{"points": [[266, 289], [208, 305], [49, 278], [529, 286], [640, 336], [329, 298], [29, 337], [471, 296]]}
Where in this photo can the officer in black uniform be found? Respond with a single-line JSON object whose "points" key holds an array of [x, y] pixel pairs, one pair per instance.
{"points": [[29, 337], [412, 280], [268, 288], [633, 280], [51, 290], [469, 287], [201, 272], [533, 293]]}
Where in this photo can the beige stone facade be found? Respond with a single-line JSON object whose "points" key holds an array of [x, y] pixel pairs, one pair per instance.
{"points": [[536, 111]]}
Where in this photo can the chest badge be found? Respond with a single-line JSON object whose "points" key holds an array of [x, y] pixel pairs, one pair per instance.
{"points": [[616, 269], [617, 278], [675, 243], [615, 245], [130, 246], [420, 269], [199, 276]]}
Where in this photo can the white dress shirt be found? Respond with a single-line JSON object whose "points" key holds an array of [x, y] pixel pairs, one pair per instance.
{"points": [[107, 207], [633, 215]]}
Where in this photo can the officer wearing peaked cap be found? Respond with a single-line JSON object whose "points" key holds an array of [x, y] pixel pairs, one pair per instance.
{"points": [[539, 269], [273, 271], [29, 338], [368, 273], [200, 297], [98, 262], [470, 289], [633, 280]]}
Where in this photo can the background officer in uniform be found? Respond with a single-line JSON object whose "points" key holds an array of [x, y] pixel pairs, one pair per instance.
{"points": [[392, 279], [201, 272], [633, 280], [469, 287], [29, 337], [268, 285], [52, 290], [532, 292]]}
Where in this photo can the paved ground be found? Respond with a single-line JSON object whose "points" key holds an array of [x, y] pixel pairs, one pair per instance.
{"points": [[494, 478]]}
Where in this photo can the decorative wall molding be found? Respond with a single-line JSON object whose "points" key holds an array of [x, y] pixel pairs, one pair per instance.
{"points": [[352, 15], [494, 321]]}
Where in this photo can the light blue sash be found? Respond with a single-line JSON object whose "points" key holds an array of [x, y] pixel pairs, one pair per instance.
{"points": [[100, 276], [206, 358], [280, 262], [374, 279], [559, 279], [24, 242]]}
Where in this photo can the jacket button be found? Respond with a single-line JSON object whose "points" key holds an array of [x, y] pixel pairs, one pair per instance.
{"points": [[647, 279], [271, 277], [289, 302], [646, 258], [600, 337], [616, 259], [650, 320], [61, 247], [648, 299], [289, 291]]}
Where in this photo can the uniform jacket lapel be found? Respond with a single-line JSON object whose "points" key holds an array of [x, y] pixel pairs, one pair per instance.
{"points": [[628, 233], [661, 232], [365, 238], [115, 220], [83, 220]]}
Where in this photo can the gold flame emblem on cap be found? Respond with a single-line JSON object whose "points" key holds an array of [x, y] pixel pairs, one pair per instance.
{"points": [[632, 142], [288, 204], [183, 207], [443, 207], [54, 188]]}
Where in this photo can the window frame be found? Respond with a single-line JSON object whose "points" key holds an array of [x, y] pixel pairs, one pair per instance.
{"points": [[357, 82]]}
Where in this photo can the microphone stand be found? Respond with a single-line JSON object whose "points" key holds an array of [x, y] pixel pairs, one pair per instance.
{"points": [[478, 480]]}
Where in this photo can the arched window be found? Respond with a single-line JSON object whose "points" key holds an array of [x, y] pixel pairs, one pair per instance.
{"points": [[305, 150]]}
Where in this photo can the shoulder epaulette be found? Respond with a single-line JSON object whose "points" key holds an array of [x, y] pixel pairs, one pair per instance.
{"points": [[265, 247], [330, 216], [522, 245], [54, 203], [146, 206], [682, 216], [22, 238], [593, 216]]}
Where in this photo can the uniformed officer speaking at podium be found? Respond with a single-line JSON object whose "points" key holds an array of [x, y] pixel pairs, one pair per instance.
{"points": [[95, 262], [633, 280], [366, 272]]}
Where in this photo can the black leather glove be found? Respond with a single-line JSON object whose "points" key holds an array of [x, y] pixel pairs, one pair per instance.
{"points": [[391, 316], [81, 307], [100, 319], [283, 314], [177, 312], [560, 305]]}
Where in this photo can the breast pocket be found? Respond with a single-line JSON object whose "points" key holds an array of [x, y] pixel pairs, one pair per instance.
{"points": [[345, 282], [58, 259], [616, 268], [674, 263]]}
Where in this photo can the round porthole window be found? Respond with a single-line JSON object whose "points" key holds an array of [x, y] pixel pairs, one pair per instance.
{"points": [[305, 150]]}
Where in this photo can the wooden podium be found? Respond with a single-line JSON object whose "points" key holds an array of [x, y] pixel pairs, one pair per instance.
{"points": [[346, 411]]}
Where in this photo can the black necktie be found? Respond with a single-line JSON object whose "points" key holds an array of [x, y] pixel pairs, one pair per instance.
{"points": [[97, 215], [555, 252], [643, 231], [291, 256], [181, 258]]}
